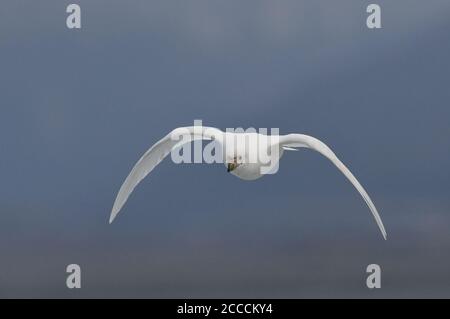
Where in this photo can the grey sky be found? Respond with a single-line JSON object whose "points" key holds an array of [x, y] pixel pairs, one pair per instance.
{"points": [[78, 108]]}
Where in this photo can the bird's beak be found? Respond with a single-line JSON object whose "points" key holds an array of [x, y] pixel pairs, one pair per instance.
{"points": [[231, 166]]}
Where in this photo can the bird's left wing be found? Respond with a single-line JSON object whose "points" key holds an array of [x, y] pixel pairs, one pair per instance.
{"points": [[156, 154], [301, 140]]}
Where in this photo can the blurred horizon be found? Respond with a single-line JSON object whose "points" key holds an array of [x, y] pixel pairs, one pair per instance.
{"points": [[79, 108]]}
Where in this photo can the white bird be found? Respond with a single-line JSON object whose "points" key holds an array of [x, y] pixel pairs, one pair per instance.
{"points": [[235, 157]]}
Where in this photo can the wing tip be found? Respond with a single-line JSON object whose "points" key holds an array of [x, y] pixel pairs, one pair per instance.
{"points": [[382, 229], [115, 210], [113, 215]]}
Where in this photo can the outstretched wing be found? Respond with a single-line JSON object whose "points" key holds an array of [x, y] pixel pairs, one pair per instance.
{"points": [[156, 154], [301, 140]]}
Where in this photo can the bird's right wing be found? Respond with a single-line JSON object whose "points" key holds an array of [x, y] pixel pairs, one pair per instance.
{"points": [[156, 154], [301, 140]]}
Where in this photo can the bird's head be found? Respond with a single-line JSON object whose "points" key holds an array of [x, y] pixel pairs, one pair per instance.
{"points": [[234, 162]]}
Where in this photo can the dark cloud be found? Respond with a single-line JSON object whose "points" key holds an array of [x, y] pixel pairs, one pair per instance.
{"points": [[79, 108]]}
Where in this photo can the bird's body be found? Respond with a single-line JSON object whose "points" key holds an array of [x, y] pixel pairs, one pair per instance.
{"points": [[248, 156], [252, 153]]}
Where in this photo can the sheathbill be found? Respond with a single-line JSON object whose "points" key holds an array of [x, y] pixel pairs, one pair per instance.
{"points": [[241, 154]]}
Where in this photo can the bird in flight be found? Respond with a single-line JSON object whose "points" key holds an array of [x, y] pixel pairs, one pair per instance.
{"points": [[241, 156]]}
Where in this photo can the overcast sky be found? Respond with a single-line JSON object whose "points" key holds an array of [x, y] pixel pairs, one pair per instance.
{"points": [[79, 107]]}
